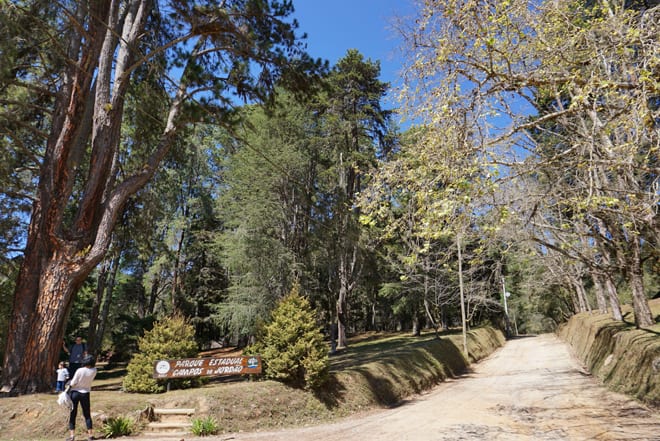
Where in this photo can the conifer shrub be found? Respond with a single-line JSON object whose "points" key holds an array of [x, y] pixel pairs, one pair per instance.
{"points": [[291, 345], [170, 338]]}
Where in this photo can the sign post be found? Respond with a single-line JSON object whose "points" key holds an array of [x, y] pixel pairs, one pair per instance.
{"points": [[207, 367]]}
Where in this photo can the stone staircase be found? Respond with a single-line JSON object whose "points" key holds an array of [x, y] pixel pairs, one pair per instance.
{"points": [[169, 422]]}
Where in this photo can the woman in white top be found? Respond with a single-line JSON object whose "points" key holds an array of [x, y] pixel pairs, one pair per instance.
{"points": [[80, 387]]}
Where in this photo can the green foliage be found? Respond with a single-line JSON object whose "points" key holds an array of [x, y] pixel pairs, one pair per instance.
{"points": [[118, 426], [292, 346], [205, 426], [7, 278], [270, 182], [171, 338]]}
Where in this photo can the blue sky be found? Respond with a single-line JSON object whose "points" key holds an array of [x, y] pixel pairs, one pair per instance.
{"points": [[333, 27]]}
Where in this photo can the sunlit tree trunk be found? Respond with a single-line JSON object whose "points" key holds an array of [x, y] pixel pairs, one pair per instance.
{"points": [[45, 292], [599, 291], [613, 297]]}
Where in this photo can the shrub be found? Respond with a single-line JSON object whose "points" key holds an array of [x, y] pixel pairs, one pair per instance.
{"points": [[118, 426], [205, 426], [292, 346], [170, 338]]}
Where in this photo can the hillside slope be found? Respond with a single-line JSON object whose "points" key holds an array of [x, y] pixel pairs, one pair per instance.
{"points": [[624, 358]]}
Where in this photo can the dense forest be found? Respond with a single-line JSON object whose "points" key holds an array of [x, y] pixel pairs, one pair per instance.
{"points": [[190, 158]]}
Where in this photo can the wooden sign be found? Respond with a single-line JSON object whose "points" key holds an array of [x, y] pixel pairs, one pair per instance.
{"points": [[207, 367]]}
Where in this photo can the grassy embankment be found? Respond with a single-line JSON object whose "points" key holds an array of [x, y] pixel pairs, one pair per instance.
{"points": [[624, 358], [375, 371]]}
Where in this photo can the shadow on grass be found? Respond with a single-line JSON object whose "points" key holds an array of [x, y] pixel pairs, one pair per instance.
{"points": [[109, 372], [384, 372], [372, 350], [332, 393]]}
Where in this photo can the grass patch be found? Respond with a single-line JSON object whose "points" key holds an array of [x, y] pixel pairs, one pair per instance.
{"points": [[205, 426], [119, 426]]}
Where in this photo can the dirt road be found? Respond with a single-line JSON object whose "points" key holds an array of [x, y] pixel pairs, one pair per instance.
{"points": [[531, 389]]}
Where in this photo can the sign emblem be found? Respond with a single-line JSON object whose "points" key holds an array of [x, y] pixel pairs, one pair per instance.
{"points": [[162, 367]]}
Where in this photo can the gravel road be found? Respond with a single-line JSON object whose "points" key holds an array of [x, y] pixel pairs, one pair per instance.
{"points": [[531, 389]]}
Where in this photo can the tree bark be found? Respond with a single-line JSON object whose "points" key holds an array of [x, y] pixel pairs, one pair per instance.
{"points": [[462, 296], [36, 331], [101, 287], [613, 297], [342, 340], [599, 290], [107, 301], [643, 315]]}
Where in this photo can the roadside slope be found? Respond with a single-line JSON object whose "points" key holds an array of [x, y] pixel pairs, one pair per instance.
{"points": [[624, 358]]}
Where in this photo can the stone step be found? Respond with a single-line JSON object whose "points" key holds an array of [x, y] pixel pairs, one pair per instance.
{"points": [[171, 421], [164, 435], [173, 411], [169, 426]]}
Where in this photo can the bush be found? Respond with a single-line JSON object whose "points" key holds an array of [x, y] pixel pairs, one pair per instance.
{"points": [[291, 345], [171, 338], [116, 427], [205, 426]]}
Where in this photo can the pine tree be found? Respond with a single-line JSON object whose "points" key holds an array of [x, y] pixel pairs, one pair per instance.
{"points": [[170, 338], [292, 346]]}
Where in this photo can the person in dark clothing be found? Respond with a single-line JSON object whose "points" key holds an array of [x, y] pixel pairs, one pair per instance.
{"points": [[76, 352]]}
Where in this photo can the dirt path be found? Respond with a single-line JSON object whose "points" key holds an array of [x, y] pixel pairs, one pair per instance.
{"points": [[531, 389]]}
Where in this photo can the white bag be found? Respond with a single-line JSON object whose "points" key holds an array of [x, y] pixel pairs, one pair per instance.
{"points": [[64, 400]]}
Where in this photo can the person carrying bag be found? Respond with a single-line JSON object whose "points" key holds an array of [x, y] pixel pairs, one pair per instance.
{"points": [[80, 388]]}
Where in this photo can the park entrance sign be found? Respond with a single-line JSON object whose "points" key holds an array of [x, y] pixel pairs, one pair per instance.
{"points": [[207, 367]]}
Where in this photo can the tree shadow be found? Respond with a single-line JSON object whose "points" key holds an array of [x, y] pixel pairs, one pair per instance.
{"points": [[332, 393], [633, 324]]}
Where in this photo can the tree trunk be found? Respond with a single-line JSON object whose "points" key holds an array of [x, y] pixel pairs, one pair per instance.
{"points": [[101, 287], [176, 276], [427, 306], [109, 290], [153, 296], [462, 296], [599, 290], [416, 327], [643, 315], [612, 295], [574, 298], [444, 319], [580, 294], [342, 341], [43, 298]]}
